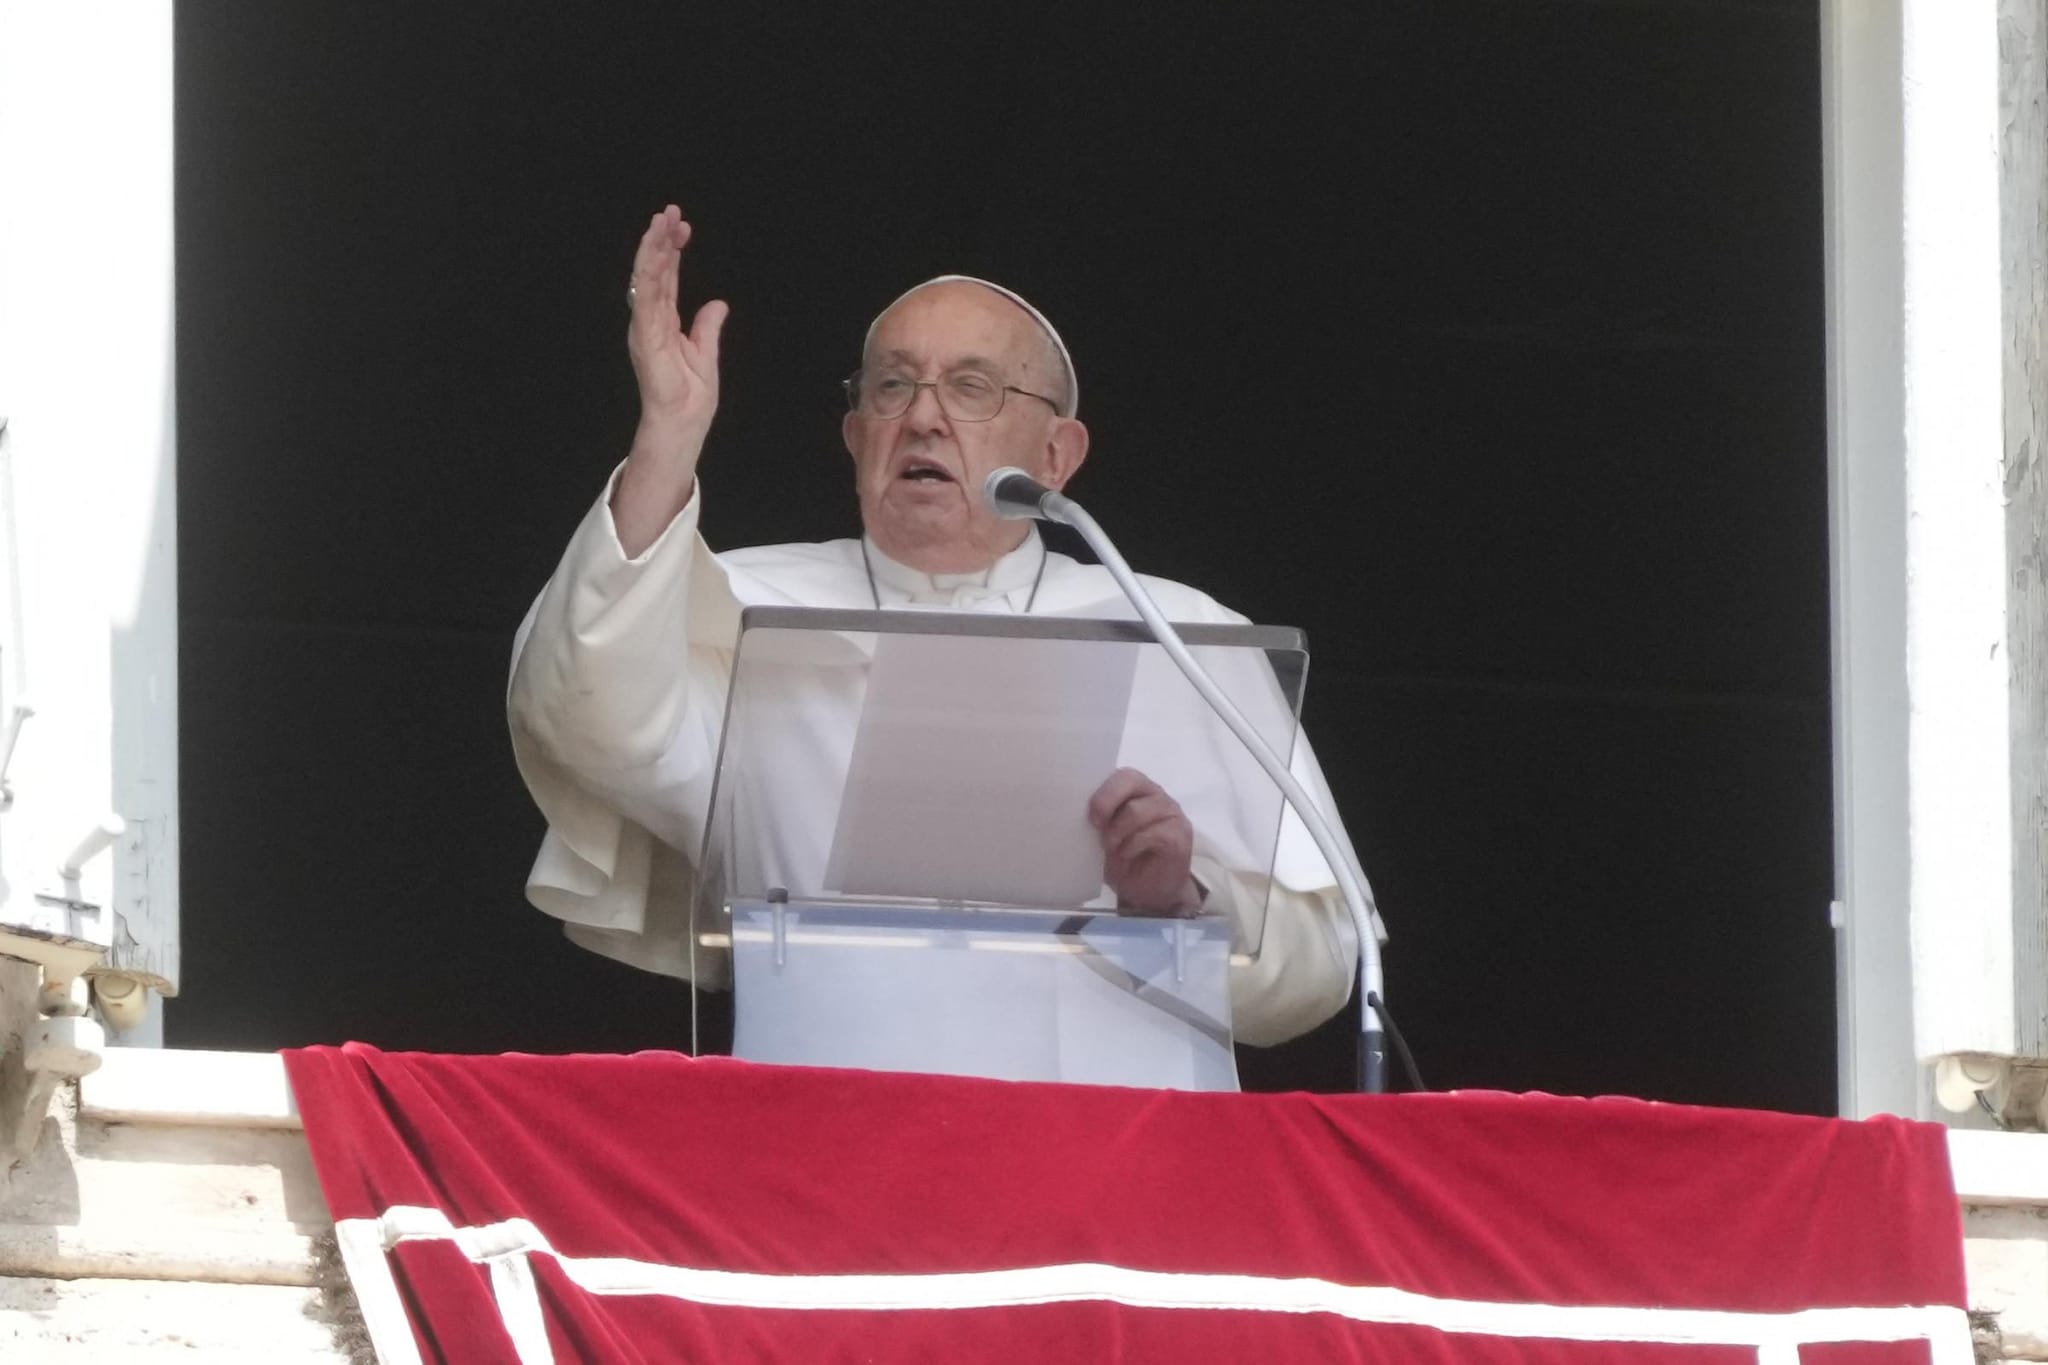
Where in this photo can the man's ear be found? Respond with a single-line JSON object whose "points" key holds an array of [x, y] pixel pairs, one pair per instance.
{"points": [[1065, 449], [846, 432]]}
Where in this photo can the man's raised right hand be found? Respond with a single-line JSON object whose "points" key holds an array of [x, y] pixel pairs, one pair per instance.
{"points": [[678, 377]]}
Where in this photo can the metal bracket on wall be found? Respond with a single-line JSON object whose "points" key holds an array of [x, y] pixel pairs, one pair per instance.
{"points": [[62, 1046]]}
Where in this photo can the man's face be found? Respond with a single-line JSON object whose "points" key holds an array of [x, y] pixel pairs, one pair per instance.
{"points": [[919, 475]]}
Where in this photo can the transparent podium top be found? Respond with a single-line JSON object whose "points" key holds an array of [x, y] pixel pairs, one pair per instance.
{"points": [[945, 760]]}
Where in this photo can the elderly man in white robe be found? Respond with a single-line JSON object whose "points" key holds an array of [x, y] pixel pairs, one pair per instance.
{"points": [[620, 669]]}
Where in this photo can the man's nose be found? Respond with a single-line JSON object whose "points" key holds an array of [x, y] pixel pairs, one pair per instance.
{"points": [[925, 412]]}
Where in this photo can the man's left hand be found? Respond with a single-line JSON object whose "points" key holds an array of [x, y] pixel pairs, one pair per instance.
{"points": [[1148, 845]]}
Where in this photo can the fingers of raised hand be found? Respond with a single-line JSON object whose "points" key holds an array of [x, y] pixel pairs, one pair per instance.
{"points": [[671, 262], [656, 267]]}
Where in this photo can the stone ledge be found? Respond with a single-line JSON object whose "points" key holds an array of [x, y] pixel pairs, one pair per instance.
{"points": [[181, 1251], [170, 1086], [1999, 1168], [2005, 1254], [61, 1320], [199, 1178]]}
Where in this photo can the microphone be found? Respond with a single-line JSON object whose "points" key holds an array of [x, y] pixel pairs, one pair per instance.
{"points": [[1013, 494]]}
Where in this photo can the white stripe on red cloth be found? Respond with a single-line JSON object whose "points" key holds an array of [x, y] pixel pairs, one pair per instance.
{"points": [[1775, 1336]]}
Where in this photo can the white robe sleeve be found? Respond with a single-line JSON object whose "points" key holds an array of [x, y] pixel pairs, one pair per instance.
{"points": [[616, 687], [1307, 965]]}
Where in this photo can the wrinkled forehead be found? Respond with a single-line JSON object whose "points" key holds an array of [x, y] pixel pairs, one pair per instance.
{"points": [[1007, 305]]}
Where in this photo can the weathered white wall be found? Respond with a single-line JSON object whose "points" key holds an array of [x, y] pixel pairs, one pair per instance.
{"points": [[88, 597], [2023, 219], [1957, 664], [1937, 685]]}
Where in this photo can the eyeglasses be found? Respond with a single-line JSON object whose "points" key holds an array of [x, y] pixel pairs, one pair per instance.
{"points": [[964, 396]]}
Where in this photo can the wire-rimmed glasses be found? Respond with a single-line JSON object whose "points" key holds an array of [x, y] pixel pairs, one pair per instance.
{"points": [[964, 395]]}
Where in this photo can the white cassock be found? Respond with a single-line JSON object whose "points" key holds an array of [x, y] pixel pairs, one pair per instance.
{"points": [[618, 689]]}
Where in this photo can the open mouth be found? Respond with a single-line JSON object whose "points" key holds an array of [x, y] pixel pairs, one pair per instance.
{"points": [[926, 471]]}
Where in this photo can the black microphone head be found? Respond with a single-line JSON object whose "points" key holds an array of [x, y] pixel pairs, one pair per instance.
{"points": [[1010, 492]]}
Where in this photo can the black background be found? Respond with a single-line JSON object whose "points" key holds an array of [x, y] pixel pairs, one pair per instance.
{"points": [[1481, 338]]}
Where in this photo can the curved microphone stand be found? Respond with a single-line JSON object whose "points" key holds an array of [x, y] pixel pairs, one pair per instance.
{"points": [[1013, 493]]}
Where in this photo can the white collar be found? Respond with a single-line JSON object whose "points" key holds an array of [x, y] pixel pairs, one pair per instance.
{"points": [[1016, 572]]}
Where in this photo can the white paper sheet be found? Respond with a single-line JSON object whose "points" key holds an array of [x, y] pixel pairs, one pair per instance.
{"points": [[973, 766]]}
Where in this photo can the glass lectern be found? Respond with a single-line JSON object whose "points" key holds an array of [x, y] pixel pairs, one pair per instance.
{"points": [[899, 856]]}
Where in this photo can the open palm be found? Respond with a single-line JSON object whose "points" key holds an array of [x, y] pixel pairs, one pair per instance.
{"points": [[677, 370]]}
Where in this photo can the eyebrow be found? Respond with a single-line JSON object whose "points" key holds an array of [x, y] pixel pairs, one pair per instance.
{"points": [[966, 362]]}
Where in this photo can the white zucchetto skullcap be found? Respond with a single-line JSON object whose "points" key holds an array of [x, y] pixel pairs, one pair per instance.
{"points": [[1073, 385]]}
